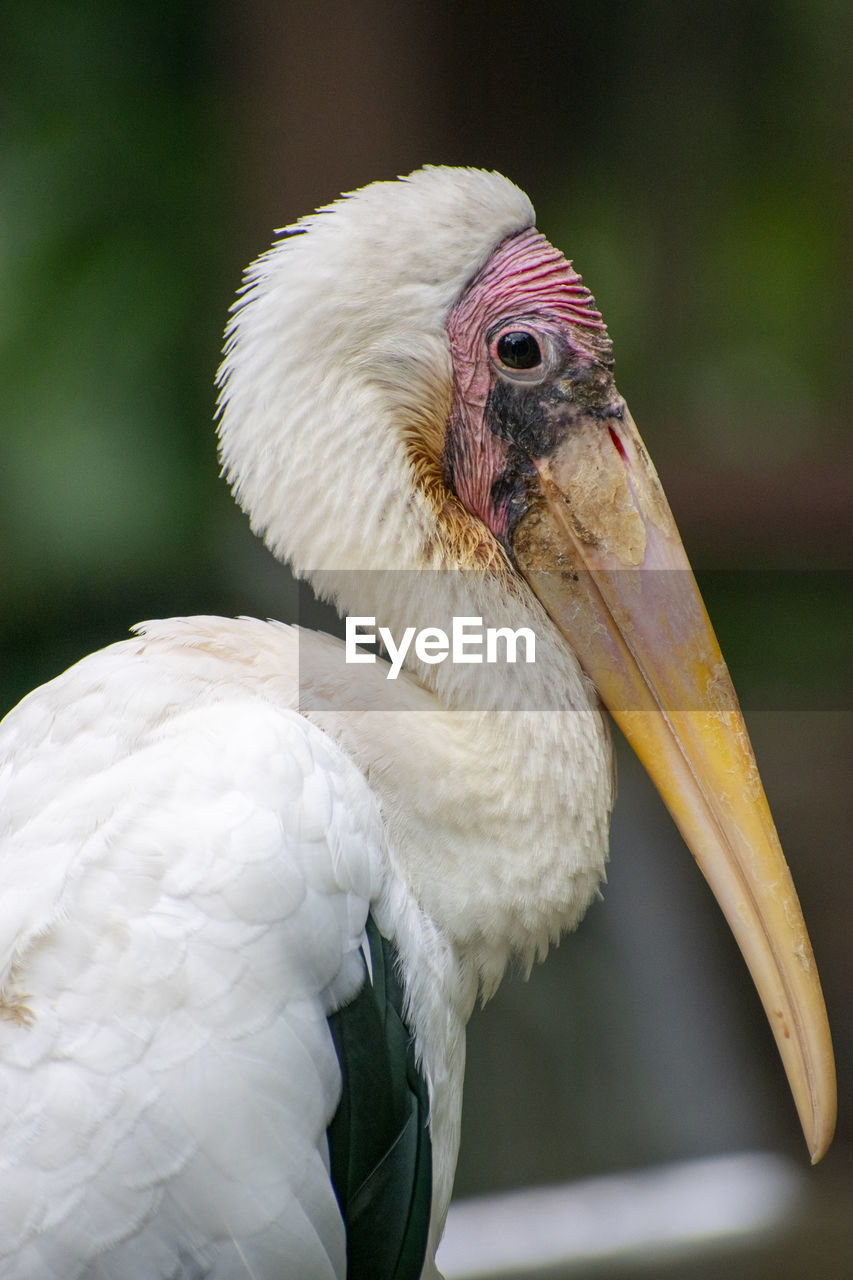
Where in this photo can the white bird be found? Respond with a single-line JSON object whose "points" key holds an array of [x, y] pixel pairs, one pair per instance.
{"points": [[245, 882]]}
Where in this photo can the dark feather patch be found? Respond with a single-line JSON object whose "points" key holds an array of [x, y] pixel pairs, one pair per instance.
{"points": [[379, 1143]]}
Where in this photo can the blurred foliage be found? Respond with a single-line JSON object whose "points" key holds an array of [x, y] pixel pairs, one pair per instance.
{"points": [[713, 218], [110, 322]]}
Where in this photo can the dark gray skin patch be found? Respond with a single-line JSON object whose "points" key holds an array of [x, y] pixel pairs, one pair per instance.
{"points": [[512, 492], [535, 416], [531, 418]]}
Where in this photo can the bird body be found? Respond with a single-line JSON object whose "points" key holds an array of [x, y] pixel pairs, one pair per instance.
{"points": [[206, 860], [203, 827]]}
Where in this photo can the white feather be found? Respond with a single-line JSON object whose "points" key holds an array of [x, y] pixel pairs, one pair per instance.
{"points": [[192, 880], [336, 345]]}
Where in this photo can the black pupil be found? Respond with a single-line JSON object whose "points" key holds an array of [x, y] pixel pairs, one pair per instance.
{"points": [[519, 350]]}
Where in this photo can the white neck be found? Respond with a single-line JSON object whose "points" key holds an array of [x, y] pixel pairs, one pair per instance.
{"points": [[495, 782]]}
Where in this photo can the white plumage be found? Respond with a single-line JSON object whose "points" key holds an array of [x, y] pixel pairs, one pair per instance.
{"points": [[194, 823], [188, 866], [338, 357], [186, 895]]}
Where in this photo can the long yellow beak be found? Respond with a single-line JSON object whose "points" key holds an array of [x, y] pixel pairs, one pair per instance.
{"points": [[600, 548]]}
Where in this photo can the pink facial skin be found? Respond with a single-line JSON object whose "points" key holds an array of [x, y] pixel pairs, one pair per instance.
{"points": [[527, 284]]}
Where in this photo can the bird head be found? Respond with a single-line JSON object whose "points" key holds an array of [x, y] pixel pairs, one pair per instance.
{"points": [[415, 379]]}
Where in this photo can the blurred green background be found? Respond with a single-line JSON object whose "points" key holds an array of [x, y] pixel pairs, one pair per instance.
{"points": [[695, 162]]}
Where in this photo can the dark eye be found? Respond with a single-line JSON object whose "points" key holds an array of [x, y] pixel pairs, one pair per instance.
{"points": [[518, 349]]}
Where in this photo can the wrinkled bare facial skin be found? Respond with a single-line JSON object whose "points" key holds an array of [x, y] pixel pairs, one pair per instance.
{"points": [[498, 426]]}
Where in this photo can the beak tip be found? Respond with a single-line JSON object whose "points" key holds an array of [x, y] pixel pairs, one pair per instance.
{"points": [[820, 1110], [821, 1138]]}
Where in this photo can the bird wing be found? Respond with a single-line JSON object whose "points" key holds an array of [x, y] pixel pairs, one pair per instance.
{"points": [[186, 868], [379, 1139]]}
